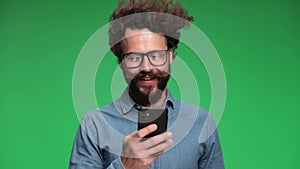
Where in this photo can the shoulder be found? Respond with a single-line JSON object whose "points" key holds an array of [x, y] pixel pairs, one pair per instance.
{"points": [[97, 119], [187, 109], [95, 116], [201, 118], [100, 111]]}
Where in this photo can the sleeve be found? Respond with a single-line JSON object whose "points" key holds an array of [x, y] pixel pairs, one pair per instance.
{"points": [[87, 155], [212, 156]]}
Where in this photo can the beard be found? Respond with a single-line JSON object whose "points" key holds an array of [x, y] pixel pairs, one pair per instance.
{"points": [[146, 95]]}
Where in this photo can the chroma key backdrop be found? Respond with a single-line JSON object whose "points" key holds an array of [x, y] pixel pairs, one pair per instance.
{"points": [[257, 43]]}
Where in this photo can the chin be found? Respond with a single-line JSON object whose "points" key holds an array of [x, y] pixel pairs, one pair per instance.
{"points": [[146, 90]]}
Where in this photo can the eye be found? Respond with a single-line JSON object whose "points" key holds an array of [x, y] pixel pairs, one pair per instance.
{"points": [[133, 58], [155, 57]]}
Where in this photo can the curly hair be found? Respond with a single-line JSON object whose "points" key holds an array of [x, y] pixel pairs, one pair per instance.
{"points": [[160, 16]]}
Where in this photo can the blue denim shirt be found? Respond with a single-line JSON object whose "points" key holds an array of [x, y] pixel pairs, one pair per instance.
{"points": [[98, 143]]}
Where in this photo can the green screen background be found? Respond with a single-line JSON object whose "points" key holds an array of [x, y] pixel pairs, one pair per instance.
{"points": [[257, 41]]}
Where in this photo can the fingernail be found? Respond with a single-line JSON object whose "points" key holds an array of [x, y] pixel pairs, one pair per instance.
{"points": [[153, 126], [170, 141]]}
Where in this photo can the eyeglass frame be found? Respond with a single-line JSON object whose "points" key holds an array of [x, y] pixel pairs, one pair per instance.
{"points": [[145, 54]]}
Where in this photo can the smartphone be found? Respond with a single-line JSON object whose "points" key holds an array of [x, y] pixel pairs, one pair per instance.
{"points": [[158, 116]]}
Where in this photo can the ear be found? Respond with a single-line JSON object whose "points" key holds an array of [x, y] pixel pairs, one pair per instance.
{"points": [[121, 65], [119, 61], [171, 54]]}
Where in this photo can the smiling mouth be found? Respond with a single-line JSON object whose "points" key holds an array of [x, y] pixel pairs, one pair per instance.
{"points": [[147, 80]]}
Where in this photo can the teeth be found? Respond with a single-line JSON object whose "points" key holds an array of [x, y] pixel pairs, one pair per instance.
{"points": [[147, 78]]}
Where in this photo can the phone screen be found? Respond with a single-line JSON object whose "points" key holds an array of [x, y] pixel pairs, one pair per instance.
{"points": [[158, 116]]}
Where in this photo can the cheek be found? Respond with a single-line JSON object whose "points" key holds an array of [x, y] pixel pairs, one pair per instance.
{"points": [[130, 73], [165, 68]]}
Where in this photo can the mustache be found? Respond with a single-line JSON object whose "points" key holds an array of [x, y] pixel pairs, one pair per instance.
{"points": [[151, 74]]}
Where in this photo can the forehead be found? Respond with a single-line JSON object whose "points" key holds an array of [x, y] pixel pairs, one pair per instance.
{"points": [[143, 40]]}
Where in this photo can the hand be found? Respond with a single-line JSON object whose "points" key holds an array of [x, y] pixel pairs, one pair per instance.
{"points": [[137, 154]]}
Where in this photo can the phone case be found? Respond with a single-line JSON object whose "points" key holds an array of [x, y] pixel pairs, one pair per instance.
{"points": [[158, 116]]}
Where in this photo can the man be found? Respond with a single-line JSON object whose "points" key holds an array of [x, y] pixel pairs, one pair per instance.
{"points": [[143, 35]]}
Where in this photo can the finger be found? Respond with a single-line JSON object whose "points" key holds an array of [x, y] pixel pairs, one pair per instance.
{"points": [[156, 150], [145, 131], [157, 139], [156, 155]]}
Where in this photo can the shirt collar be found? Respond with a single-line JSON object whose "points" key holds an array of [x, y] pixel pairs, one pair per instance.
{"points": [[125, 103]]}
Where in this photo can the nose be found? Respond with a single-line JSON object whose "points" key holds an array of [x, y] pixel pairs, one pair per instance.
{"points": [[146, 65]]}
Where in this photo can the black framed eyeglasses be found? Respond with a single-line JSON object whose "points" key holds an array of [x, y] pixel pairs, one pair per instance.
{"points": [[155, 57]]}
